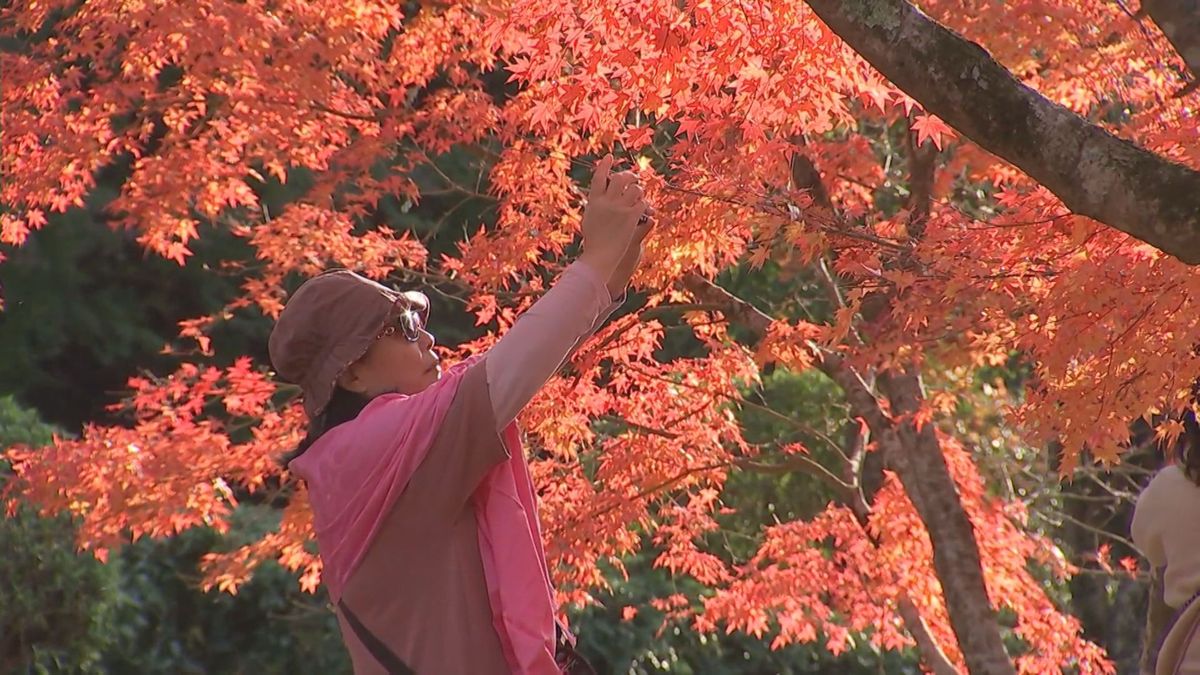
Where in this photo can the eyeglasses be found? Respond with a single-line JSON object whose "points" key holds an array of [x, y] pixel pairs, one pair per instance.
{"points": [[408, 323]]}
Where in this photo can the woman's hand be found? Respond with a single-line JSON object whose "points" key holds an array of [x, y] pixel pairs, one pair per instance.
{"points": [[629, 262], [610, 221]]}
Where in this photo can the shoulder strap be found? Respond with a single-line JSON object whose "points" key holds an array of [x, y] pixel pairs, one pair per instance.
{"points": [[385, 656]]}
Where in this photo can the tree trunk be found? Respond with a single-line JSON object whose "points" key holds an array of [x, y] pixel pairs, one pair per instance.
{"points": [[921, 467], [1179, 20], [916, 455], [1094, 173], [927, 481]]}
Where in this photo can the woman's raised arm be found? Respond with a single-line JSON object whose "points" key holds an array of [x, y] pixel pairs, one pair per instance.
{"points": [[542, 338]]}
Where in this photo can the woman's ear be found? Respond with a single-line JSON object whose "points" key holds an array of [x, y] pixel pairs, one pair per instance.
{"points": [[351, 381]]}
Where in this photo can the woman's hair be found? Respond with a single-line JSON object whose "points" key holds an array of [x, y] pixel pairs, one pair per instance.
{"points": [[1188, 448], [344, 405]]}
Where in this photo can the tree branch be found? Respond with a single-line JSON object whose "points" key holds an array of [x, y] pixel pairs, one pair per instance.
{"points": [[1179, 20], [922, 162], [1093, 172], [653, 431], [804, 465]]}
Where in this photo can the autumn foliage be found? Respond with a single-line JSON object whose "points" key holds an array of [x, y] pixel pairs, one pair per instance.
{"points": [[719, 104]]}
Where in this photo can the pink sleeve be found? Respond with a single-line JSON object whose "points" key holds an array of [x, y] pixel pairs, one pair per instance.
{"points": [[542, 338]]}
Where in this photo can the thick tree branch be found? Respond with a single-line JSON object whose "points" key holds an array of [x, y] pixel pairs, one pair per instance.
{"points": [[1179, 20], [806, 176], [922, 162], [1093, 172]]}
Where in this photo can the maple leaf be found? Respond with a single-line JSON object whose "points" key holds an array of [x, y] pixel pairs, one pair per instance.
{"points": [[1103, 557], [931, 128], [638, 137]]}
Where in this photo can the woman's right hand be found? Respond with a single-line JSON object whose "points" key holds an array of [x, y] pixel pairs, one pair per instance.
{"points": [[615, 205]]}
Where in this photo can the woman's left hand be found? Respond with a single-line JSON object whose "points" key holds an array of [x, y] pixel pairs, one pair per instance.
{"points": [[620, 276]]}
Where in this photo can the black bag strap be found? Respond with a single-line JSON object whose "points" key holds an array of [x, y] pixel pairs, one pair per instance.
{"points": [[566, 656], [386, 657]]}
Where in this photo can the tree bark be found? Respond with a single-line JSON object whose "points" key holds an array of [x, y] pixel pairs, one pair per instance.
{"points": [[1179, 20], [916, 455], [1093, 172]]}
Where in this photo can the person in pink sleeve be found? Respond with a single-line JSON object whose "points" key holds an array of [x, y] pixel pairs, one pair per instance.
{"points": [[422, 501], [1166, 528]]}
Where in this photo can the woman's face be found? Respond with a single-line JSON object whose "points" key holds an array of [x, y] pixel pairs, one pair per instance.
{"points": [[395, 362]]}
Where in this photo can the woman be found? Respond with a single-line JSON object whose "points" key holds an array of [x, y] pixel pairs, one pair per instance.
{"points": [[422, 501], [1166, 527]]}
